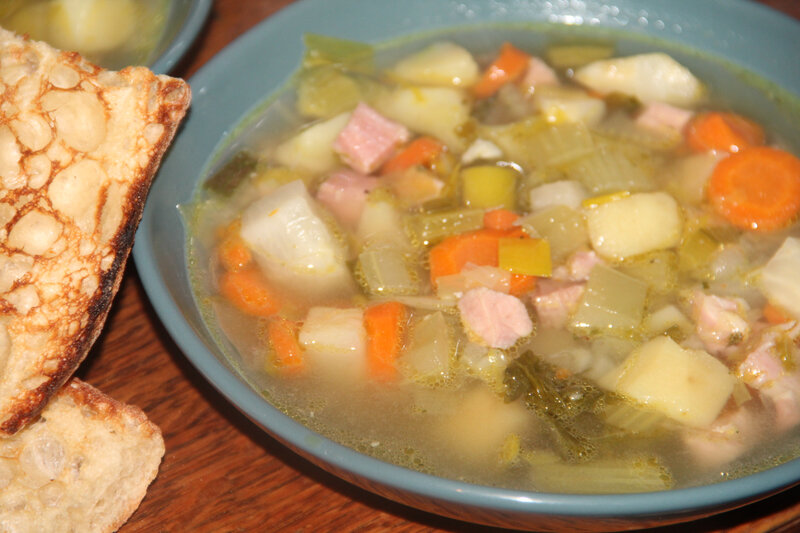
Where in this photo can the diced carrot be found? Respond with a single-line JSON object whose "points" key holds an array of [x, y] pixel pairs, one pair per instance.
{"points": [[501, 219], [385, 324], [478, 247], [288, 355], [775, 315], [728, 132], [757, 188], [234, 254], [248, 291], [508, 66], [420, 151], [521, 284]]}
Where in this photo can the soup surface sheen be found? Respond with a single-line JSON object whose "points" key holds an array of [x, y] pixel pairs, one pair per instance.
{"points": [[564, 266]]}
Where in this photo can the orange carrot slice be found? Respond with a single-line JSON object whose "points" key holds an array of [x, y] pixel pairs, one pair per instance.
{"points": [[248, 291], [500, 219], [774, 314], [521, 284], [728, 132], [234, 253], [757, 188], [385, 324], [509, 65], [420, 151], [478, 247], [288, 355]]}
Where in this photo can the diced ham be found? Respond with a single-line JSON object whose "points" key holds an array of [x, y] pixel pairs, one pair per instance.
{"points": [[497, 320], [777, 384], [721, 324], [345, 193], [369, 139], [731, 435], [538, 73], [555, 301], [662, 118]]}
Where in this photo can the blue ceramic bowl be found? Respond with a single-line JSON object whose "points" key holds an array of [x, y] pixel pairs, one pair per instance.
{"points": [[186, 19], [732, 36]]}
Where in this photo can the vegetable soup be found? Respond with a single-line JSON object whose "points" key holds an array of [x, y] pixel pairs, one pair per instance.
{"points": [[562, 267]]}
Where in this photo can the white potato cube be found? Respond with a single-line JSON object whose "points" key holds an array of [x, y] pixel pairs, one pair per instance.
{"points": [[442, 63], [648, 77], [564, 192], [435, 111], [560, 104], [779, 280], [689, 386], [634, 225], [335, 340], [312, 149]]}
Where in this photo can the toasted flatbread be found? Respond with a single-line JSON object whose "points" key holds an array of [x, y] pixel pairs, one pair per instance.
{"points": [[83, 465], [79, 146]]}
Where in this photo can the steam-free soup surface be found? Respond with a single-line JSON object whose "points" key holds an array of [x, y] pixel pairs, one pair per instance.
{"points": [[555, 269]]}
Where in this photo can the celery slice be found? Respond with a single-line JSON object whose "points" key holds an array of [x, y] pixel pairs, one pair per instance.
{"points": [[607, 170], [633, 418], [577, 55], [613, 303], [534, 143], [325, 50], [603, 476], [489, 186], [325, 91], [525, 256], [658, 269], [697, 251], [386, 272], [562, 227], [427, 228], [431, 351]]}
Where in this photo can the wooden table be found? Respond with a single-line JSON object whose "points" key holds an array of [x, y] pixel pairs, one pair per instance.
{"points": [[222, 473]]}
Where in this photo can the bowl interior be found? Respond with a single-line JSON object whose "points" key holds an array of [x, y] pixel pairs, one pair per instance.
{"points": [[738, 36]]}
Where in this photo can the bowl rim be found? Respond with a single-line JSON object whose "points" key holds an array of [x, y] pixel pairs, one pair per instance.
{"points": [[186, 35], [727, 494]]}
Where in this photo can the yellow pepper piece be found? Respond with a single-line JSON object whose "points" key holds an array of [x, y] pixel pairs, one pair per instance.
{"points": [[489, 186], [525, 256]]}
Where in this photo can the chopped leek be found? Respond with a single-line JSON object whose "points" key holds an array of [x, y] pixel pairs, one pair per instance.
{"points": [[533, 142], [525, 256], [326, 91], [563, 227], [427, 228], [631, 417], [613, 302], [595, 201], [489, 186]]}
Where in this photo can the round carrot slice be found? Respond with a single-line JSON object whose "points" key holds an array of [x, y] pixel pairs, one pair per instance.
{"points": [[727, 132], [757, 188]]}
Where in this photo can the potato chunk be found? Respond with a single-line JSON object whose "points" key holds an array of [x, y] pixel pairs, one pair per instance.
{"points": [[634, 225], [441, 63], [689, 386]]}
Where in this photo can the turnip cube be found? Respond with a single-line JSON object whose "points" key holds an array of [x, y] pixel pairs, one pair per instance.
{"points": [[312, 149], [335, 340]]}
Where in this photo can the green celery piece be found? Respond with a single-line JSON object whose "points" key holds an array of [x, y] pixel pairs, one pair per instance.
{"points": [[609, 169], [602, 476], [325, 50], [232, 174], [658, 269], [563, 227], [613, 303], [385, 272], [427, 228], [697, 251], [326, 91]]}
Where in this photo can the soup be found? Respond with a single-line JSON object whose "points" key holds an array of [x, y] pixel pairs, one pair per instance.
{"points": [[112, 33], [531, 267]]}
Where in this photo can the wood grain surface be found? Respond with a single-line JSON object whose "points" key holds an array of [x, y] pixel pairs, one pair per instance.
{"points": [[222, 473]]}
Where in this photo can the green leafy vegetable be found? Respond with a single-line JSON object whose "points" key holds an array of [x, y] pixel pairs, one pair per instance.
{"points": [[325, 50]]}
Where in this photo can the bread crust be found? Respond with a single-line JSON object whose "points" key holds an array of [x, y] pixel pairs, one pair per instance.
{"points": [[83, 465], [79, 147]]}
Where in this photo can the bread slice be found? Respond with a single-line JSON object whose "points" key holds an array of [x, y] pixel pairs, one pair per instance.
{"points": [[83, 465], [79, 146]]}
